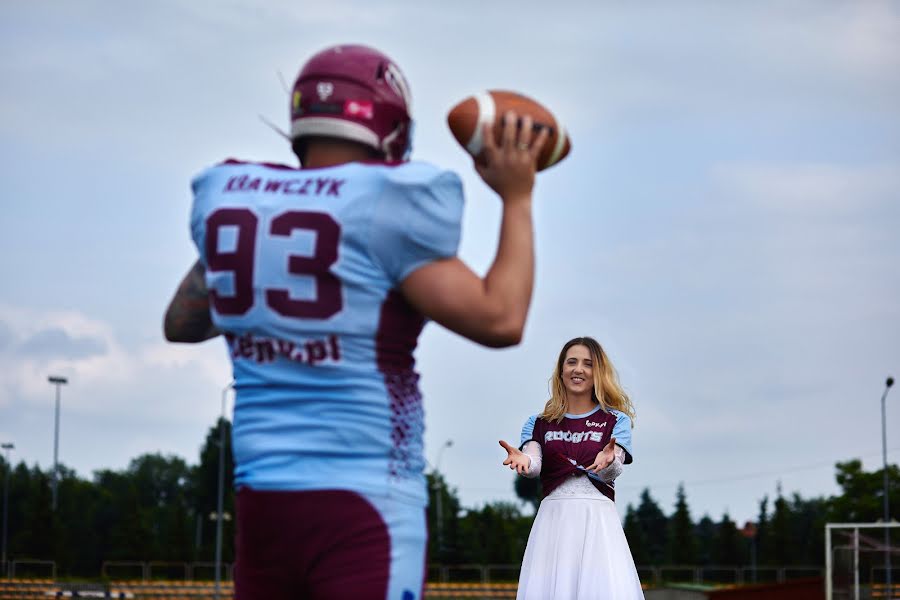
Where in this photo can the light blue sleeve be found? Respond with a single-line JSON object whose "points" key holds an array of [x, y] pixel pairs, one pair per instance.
{"points": [[203, 186], [418, 219], [622, 433], [527, 430]]}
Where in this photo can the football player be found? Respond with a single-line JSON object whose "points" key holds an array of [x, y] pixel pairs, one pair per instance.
{"points": [[320, 279]]}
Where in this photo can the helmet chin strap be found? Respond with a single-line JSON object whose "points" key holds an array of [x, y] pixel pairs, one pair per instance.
{"points": [[386, 144], [391, 138], [409, 138]]}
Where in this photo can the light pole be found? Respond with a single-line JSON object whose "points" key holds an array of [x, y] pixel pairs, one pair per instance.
{"points": [[6, 447], [221, 492], [58, 382], [749, 531], [887, 509], [439, 493]]}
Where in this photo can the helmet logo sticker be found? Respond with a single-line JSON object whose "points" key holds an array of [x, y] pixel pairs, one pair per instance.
{"points": [[324, 89], [361, 109], [395, 79]]}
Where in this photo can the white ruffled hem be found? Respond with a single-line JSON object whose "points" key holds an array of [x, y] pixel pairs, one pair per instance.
{"points": [[578, 551]]}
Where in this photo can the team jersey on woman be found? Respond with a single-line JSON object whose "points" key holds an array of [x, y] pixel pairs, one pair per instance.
{"points": [[303, 268], [571, 445]]}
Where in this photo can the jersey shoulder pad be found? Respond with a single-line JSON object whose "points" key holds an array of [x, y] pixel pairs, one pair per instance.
{"points": [[418, 218], [209, 178], [418, 173]]}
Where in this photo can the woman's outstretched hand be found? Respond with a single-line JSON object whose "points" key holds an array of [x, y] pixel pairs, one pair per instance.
{"points": [[604, 457], [516, 459]]}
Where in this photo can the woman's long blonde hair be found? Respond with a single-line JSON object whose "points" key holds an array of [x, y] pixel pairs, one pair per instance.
{"points": [[607, 392]]}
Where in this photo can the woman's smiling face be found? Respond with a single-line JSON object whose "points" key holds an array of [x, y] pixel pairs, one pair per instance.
{"points": [[577, 376]]}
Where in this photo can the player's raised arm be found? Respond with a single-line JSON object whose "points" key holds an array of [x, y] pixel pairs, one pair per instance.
{"points": [[490, 310], [187, 317]]}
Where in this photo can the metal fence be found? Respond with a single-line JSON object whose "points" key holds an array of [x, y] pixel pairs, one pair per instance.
{"points": [[652, 575], [38, 569], [162, 570]]}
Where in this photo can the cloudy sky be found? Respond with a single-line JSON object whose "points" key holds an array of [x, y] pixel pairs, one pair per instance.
{"points": [[726, 225]]}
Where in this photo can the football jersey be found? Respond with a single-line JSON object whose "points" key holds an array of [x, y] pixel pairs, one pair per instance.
{"points": [[571, 445], [303, 268]]}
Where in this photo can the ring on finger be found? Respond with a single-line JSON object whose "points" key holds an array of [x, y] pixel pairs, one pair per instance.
{"points": [[522, 146]]}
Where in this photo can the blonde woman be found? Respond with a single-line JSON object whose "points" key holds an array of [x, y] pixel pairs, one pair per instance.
{"points": [[578, 445]]}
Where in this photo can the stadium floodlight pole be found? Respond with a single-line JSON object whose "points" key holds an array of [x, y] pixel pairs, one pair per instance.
{"points": [[887, 506], [58, 382], [439, 493], [221, 492], [6, 447], [749, 531]]}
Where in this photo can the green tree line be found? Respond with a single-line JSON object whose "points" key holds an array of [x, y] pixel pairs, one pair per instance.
{"points": [[162, 509], [788, 531], [159, 508]]}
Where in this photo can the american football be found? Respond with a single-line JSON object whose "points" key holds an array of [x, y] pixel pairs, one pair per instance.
{"points": [[467, 118]]}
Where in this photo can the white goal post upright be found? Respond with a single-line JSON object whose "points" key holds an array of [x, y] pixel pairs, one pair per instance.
{"points": [[855, 547]]}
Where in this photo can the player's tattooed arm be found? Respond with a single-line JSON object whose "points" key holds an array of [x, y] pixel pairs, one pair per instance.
{"points": [[187, 318]]}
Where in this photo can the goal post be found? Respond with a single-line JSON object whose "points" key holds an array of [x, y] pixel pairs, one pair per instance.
{"points": [[860, 557]]}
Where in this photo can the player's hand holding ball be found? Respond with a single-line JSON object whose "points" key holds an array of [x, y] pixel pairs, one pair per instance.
{"points": [[509, 167], [510, 136]]}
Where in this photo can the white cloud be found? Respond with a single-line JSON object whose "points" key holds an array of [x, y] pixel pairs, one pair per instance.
{"points": [[871, 43], [129, 399], [100, 374]]}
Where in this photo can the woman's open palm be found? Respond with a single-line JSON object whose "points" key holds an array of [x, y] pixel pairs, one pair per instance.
{"points": [[604, 457], [516, 459]]}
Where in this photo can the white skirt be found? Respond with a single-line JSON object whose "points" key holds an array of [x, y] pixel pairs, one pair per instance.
{"points": [[577, 549]]}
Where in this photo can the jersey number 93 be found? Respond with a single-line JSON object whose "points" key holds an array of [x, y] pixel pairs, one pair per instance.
{"points": [[240, 262]]}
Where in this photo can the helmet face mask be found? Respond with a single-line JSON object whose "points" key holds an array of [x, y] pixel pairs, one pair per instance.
{"points": [[353, 93]]}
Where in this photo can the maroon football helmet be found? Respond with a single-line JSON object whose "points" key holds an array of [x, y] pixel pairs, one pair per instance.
{"points": [[353, 93]]}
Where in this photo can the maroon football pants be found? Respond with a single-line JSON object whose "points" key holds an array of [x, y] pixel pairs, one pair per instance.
{"points": [[316, 545]]}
